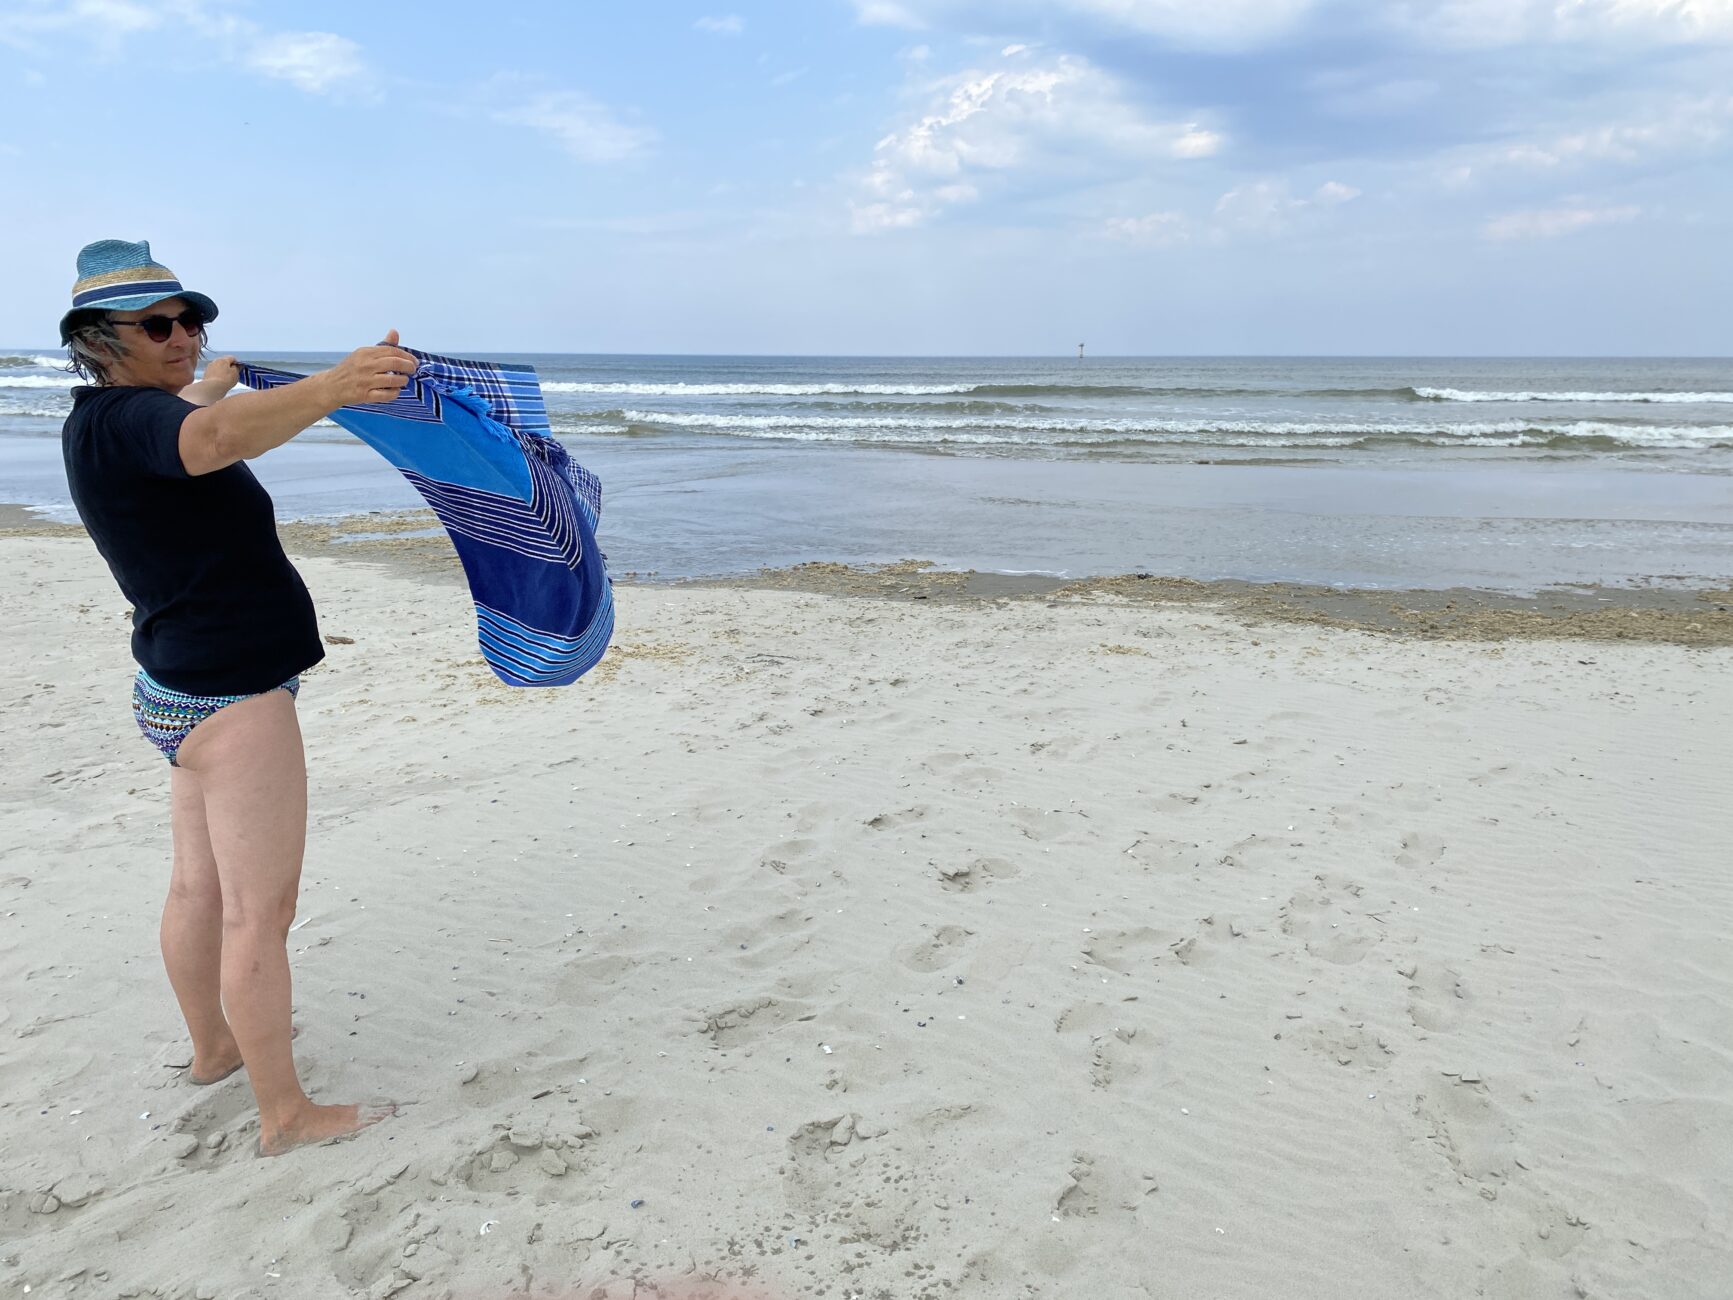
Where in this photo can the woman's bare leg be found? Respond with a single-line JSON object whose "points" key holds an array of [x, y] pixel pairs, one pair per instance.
{"points": [[192, 934], [252, 771]]}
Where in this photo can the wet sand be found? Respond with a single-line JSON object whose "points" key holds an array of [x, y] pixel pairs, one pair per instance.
{"points": [[1660, 612]]}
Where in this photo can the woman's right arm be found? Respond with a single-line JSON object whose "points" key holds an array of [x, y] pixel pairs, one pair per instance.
{"points": [[249, 424]]}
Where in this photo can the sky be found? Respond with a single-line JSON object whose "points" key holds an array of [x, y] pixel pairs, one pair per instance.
{"points": [[890, 177]]}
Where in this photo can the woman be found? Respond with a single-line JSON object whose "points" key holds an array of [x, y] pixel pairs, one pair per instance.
{"points": [[222, 629]]}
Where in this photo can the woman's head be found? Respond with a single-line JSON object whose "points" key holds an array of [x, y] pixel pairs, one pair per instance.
{"points": [[131, 321], [153, 347]]}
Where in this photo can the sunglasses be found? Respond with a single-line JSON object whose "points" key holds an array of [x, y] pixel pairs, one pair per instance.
{"points": [[158, 328]]}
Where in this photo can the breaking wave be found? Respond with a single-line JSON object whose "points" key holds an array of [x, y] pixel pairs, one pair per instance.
{"points": [[1038, 431], [1461, 395], [40, 381]]}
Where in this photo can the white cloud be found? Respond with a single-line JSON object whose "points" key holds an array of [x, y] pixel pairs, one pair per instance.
{"points": [[584, 127], [1694, 124], [1550, 223], [1206, 24], [1259, 205], [1195, 142], [316, 62], [1246, 24], [1157, 229], [724, 25], [1511, 22], [114, 16], [872, 218], [1267, 206], [1689, 124], [1209, 23], [887, 13], [1059, 116], [106, 24]]}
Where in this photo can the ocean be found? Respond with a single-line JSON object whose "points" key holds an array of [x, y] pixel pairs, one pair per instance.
{"points": [[1508, 473]]}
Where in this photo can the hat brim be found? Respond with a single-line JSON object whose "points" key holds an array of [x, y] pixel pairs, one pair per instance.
{"points": [[138, 302]]}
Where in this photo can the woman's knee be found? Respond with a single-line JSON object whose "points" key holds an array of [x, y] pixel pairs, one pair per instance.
{"points": [[199, 890], [255, 914]]}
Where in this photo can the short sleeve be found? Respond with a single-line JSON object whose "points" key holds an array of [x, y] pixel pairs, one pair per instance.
{"points": [[144, 424]]}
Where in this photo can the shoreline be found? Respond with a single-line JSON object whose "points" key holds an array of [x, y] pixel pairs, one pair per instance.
{"points": [[683, 511], [1667, 610]]}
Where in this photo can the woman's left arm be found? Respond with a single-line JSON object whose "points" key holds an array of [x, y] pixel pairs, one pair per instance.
{"points": [[220, 376]]}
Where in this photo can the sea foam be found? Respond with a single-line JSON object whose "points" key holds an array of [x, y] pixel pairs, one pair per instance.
{"points": [[753, 390], [39, 381], [1461, 395], [1059, 431]]}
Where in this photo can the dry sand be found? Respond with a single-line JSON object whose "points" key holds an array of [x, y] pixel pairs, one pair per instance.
{"points": [[1079, 945]]}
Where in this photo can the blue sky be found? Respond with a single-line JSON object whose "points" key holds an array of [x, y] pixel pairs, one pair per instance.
{"points": [[892, 176]]}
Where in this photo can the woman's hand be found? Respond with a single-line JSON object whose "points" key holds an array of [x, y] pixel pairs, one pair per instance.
{"points": [[221, 374], [369, 375]]}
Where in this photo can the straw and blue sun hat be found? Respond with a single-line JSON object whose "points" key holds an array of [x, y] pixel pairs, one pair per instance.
{"points": [[116, 275]]}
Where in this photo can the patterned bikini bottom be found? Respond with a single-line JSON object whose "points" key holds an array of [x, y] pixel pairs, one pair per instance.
{"points": [[167, 717]]}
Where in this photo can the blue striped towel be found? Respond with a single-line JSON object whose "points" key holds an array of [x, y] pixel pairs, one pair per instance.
{"points": [[473, 438]]}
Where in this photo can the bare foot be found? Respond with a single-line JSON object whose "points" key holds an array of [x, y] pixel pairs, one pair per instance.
{"points": [[322, 1124], [204, 1077], [222, 1061], [217, 1066]]}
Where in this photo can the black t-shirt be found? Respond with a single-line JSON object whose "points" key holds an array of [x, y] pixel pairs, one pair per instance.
{"points": [[217, 607]]}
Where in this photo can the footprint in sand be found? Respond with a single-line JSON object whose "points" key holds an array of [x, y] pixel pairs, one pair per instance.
{"points": [[1436, 996], [1125, 951], [744, 1023], [786, 854], [939, 950], [1328, 927], [886, 1190], [1174, 803], [1043, 824], [961, 877], [891, 820], [591, 981], [1078, 1197], [398, 1227], [1468, 1127], [1349, 1046], [1118, 1051], [1092, 1187], [518, 1156], [1205, 945], [758, 945], [1119, 1056], [1060, 748], [222, 1120], [1253, 851], [1419, 850], [962, 769]]}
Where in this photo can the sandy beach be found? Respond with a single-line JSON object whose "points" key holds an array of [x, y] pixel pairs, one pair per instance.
{"points": [[1040, 943]]}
